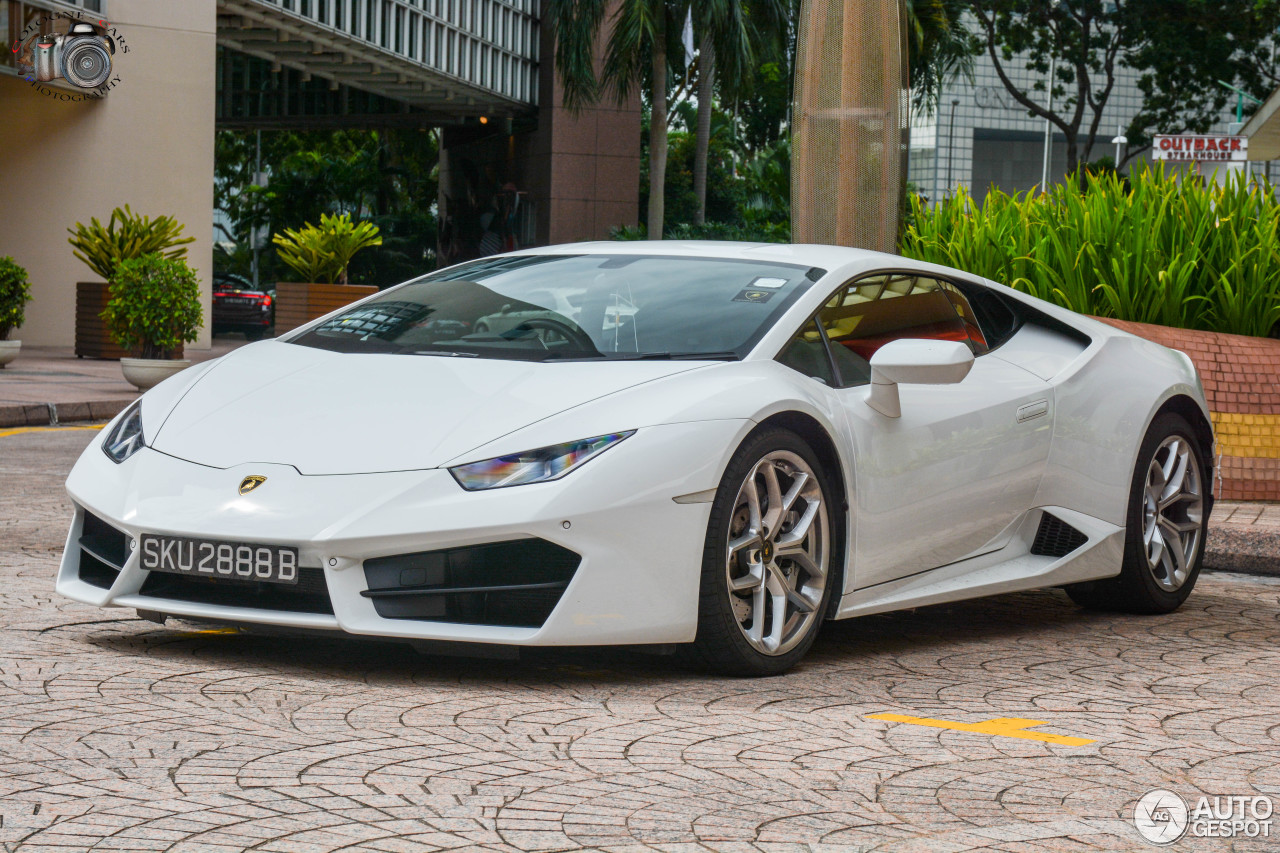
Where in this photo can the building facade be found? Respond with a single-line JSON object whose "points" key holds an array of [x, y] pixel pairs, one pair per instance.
{"points": [[981, 137]]}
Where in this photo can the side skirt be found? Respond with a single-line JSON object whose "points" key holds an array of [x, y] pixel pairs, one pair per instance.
{"points": [[1012, 568]]}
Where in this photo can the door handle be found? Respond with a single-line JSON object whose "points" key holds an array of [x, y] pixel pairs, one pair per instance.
{"points": [[1031, 411]]}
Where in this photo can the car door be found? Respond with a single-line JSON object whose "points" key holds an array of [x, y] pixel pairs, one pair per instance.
{"points": [[946, 479]]}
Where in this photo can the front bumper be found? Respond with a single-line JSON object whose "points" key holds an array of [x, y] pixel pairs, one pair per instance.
{"points": [[641, 552]]}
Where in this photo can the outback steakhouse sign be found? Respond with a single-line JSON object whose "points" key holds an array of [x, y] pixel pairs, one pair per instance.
{"points": [[1202, 149]]}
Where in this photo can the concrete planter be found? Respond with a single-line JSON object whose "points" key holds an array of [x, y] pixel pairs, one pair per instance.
{"points": [[298, 304], [146, 373], [8, 351]]}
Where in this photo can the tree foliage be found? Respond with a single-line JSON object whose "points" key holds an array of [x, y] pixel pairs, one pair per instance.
{"points": [[388, 177], [1180, 49]]}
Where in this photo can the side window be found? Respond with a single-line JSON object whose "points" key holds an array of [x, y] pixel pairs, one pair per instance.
{"points": [[972, 327], [808, 354], [875, 311]]}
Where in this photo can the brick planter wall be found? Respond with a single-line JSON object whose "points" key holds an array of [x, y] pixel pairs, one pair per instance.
{"points": [[1241, 377]]}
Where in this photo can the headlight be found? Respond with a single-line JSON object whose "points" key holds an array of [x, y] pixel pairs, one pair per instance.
{"points": [[125, 438], [533, 466]]}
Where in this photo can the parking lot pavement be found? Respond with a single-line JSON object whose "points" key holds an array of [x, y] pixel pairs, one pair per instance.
{"points": [[119, 734]]}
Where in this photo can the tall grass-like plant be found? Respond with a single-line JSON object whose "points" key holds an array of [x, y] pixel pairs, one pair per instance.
{"points": [[321, 253], [1149, 250], [126, 236]]}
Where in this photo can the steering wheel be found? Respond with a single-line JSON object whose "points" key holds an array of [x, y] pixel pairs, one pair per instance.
{"points": [[576, 338]]}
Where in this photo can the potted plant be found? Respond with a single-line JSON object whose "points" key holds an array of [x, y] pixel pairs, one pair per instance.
{"points": [[15, 293], [320, 255], [154, 308], [126, 236]]}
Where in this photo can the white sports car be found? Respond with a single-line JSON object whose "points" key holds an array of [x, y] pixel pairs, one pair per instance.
{"points": [[771, 437]]}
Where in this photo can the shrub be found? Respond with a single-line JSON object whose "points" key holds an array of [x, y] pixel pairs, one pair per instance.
{"points": [[15, 293], [322, 253], [126, 236], [154, 306], [1145, 249]]}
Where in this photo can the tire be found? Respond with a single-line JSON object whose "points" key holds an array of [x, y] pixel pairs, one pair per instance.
{"points": [[255, 333], [772, 571], [1159, 577]]}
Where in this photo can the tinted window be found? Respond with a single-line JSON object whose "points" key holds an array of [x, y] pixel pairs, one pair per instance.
{"points": [[807, 353], [874, 311], [540, 307]]}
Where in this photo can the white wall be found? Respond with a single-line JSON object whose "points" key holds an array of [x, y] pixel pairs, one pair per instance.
{"points": [[149, 144]]}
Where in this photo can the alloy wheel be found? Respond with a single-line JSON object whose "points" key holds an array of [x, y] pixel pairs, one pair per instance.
{"points": [[776, 563], [1172, 512]]}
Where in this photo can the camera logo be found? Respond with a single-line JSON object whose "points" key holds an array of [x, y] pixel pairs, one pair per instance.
{"points": [[1161, 816], [81, 57]]}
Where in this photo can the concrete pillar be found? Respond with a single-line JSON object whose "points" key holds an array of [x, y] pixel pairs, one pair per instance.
{"points": [[576, 175]]}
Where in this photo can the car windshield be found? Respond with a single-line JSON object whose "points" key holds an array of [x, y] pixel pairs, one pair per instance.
{"points": [[579, 307]]}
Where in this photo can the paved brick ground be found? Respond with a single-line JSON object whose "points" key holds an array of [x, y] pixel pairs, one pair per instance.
{"points": [[119, 735]]}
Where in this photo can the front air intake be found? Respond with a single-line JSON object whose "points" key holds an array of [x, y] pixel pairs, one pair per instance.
{"points": [[1056, 538], [512, 584], [103, 552]]}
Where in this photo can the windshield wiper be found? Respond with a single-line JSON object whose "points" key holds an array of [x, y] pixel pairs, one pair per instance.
{"points": [[727, 355], [446, 353]]}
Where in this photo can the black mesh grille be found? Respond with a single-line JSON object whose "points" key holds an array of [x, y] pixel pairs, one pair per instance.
{"points": [[103, 552], [512, 584], [1056, 538], [309, 595]]}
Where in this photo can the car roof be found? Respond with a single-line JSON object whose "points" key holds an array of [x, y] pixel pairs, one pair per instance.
{"points": [[805, 254]]}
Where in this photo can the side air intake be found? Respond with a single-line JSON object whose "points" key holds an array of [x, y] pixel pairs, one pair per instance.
{"points": [[1056, 538]]}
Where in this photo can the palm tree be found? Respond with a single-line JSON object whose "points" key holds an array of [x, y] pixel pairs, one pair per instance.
{"points": [[940, 47], [733, 34], [636, 49]]}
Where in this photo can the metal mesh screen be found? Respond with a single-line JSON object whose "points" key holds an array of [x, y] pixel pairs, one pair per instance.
{"points": [[851, 124]]}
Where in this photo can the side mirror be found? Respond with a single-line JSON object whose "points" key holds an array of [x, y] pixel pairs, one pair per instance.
{"points": [[914, 362]]}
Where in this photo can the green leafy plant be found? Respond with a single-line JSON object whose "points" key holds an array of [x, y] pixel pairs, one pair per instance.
{"points": [[15, 293], [154, 306], [1146, 249], [126, 236], [322, 253]]}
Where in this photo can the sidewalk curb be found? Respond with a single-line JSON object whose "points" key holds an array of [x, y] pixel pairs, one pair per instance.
{"points": [[1252, 552], [47, 414]]}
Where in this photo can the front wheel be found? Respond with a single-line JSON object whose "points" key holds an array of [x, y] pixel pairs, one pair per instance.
{"points": [[769, 557], [1166, 526]]}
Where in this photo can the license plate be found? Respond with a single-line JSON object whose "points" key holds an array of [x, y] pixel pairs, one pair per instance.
{"points": [[210, 559]]}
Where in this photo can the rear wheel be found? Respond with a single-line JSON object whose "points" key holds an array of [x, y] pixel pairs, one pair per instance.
{"points": [[767, 571], [1166, 527], [254, 333]]}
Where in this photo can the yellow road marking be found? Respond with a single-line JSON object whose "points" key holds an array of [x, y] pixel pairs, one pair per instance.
{"points": [[21, 430], [1002, 727]]}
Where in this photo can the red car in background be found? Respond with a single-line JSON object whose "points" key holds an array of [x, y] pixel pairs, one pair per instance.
{"points": [[240, 307]]}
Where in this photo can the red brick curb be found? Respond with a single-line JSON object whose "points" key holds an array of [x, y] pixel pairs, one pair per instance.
{"points": [[1241, 377]]}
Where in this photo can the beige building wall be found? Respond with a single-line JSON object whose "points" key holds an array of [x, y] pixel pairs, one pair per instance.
{"points": [[148, 144]]}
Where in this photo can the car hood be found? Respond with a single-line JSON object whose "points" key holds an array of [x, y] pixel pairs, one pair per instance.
{"points": [[335, 413]]}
